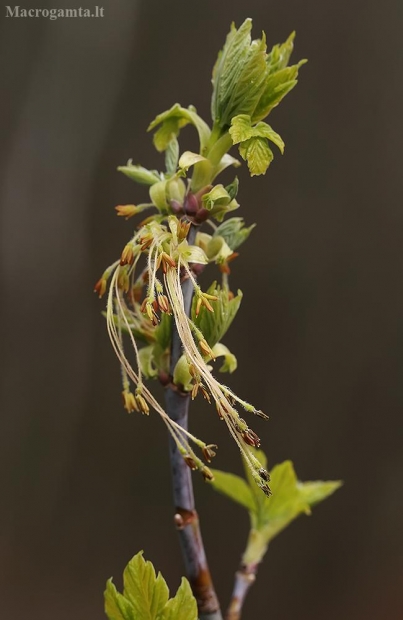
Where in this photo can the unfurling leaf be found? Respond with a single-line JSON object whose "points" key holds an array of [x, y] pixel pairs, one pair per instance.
{"points": [[247, 80], [233, 231], [146, 596]]}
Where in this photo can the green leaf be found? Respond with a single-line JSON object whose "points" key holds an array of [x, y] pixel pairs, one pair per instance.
{"points": [[241, 128], [163, 331], [147, 592], [232, 188], [279, 55], [234, 487], [147, 362], [146, 596], [172, 156], [219, 211], [233, 231], [227, 69], [257, 153], [247, 80], [117, 607], [172, 121], [315, 492], [139, 174], [270, 516], [183, 606], [217, 196], [215, 324], [215, 247], [263, 130], [181, 374], [277, 86], [158, 195], [230, 362], [226, 161]]}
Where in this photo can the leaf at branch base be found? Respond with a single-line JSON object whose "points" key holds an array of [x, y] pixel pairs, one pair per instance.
{"points": [[183, 606], [146, 596], [117, 607], [269, 516], [147, 592]]}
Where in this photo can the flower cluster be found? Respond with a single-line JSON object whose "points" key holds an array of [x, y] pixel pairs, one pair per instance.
{"points": [[145, 300], [140, 301]]}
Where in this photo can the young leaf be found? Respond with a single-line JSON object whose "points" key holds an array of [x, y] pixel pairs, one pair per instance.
{"points": [[227, 69], [280, 54], [241, 128], [183, 606], [247, 80], [147, 592], [257, 153], [146, 596], [277, 86], [215, 324]]}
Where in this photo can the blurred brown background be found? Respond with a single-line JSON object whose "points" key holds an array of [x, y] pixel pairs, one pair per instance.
{"points": [[319, 340]]}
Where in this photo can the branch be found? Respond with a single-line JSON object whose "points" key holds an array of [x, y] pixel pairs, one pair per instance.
{"points": [[244, 578], [186, 518]]}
